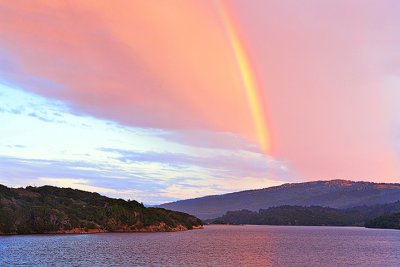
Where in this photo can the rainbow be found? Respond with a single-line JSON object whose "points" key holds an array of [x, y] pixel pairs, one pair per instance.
{"points": [[249, 81]]}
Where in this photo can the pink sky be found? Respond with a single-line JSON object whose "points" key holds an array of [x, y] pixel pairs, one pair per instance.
{"points": [[328, 72]]}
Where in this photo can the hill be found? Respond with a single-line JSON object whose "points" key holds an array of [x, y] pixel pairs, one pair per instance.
{"points": [[387, 221], [50, 209], [339, 194], [310, 216]]}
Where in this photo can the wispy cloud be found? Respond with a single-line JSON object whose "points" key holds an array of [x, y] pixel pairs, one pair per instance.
{"points": [[208, 139], [151, 164], [150, 178], [228, 163]]}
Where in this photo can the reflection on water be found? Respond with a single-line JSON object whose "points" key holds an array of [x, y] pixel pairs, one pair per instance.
{"points": [[213, 246]]}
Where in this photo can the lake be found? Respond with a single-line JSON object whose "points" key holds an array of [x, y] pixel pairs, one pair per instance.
{"points": [[213, 246]]}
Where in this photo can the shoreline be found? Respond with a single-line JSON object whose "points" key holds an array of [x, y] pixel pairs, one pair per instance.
{"points": [[289, 226], [201, 227], [81, 231]]}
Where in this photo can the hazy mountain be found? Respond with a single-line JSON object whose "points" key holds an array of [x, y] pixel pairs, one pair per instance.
{"points": [[49, 209], [339, 194]]}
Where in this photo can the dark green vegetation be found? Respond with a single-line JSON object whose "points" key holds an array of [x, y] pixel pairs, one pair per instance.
{"points": [[50, 209], [315, 215], [338, 194], [387, 221]]}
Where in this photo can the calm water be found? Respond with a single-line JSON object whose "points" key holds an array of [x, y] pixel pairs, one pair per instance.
{"points": [[213, 246]]}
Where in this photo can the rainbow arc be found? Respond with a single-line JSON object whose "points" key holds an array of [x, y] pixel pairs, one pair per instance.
{"points": [[249, 81]]}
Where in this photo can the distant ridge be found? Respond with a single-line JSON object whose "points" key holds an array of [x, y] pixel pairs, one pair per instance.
{"points": [[338, 194]]}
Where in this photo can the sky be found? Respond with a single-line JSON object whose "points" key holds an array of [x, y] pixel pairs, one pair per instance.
{"points": [[165, 100]]}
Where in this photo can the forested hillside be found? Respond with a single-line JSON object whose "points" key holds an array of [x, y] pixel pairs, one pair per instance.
{"points": [[50, 209]]}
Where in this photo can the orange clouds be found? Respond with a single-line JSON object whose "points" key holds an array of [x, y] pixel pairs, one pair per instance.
{"points": [[142, 63], [321, 67], [324, 64]]}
